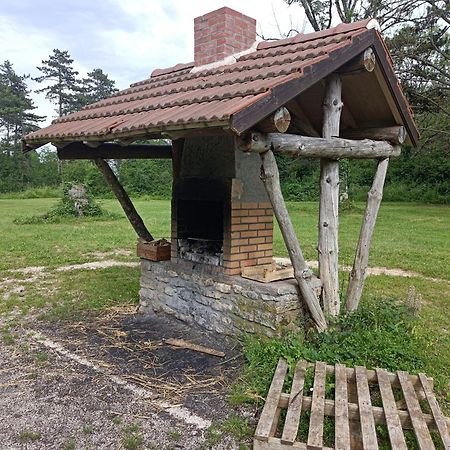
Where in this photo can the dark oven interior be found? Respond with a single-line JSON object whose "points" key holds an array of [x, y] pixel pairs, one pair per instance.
{"points": [[200, 231]]}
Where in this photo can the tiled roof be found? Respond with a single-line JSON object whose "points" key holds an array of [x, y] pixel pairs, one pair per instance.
{"points": [[220, 96]]}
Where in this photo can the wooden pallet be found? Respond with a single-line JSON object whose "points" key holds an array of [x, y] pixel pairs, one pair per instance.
{"points": [[355, 418]]}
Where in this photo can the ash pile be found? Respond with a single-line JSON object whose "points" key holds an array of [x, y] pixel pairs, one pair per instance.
{"points": [[203, 251]]}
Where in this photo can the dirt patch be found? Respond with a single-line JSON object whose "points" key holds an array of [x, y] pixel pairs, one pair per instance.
{"points": [[90, 383], [133, 347], [95, 265]]}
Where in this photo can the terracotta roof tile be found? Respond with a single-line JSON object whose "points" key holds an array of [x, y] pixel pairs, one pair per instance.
{"points": [[177, 97]]}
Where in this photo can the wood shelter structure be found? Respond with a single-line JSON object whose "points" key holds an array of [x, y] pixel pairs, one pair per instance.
{"points": [[329, 95]]}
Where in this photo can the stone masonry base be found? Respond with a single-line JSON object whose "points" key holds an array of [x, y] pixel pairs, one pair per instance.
{"points": [[229, 305]]}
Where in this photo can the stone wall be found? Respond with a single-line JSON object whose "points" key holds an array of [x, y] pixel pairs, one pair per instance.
{"points": [[220, 303]]}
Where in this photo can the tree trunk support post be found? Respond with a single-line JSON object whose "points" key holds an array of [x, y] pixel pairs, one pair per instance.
{"points": [[271, 178], [128, 207], [358, 273], [328, 247]]}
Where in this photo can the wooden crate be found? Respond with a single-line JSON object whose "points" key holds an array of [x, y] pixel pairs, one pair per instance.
{"points": [[158, 250], [355, 418]]}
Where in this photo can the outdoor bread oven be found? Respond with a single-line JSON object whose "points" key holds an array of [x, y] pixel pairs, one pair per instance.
{"points": [[221, 216], [329, 95]]}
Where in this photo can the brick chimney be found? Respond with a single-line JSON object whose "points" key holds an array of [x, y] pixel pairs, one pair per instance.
{"points": [[222, 33]]}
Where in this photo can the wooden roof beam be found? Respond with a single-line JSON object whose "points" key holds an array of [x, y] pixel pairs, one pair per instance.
{"points": [[79, 150], [315, 147]]}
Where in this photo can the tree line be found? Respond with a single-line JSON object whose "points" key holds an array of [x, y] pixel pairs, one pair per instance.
{"points": [[417, 32]]}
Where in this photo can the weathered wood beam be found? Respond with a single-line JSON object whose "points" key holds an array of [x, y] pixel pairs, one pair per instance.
{"points": [[279, 122], [128, 207], [314, 147], [328, 247], [395, 135], [358, 273], [366, 61], [79, 150], [271, 178]]}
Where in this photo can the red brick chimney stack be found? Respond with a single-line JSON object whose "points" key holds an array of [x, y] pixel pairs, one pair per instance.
{"points": [[222, 33]]}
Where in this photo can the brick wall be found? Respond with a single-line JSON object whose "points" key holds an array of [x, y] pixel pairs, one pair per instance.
{"points": [[249, 240], [222, 33]]}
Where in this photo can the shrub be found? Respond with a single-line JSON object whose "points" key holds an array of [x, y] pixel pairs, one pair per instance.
{"points": [[379, 334]]}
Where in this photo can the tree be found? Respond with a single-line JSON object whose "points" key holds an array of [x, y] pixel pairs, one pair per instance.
{"points": [[16, 106], [98, 86], [61, 78]]}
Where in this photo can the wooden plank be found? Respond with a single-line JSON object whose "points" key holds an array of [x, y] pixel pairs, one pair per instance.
{"points": [[271, 179], [121, 195], [268, 414], [372, 377], [295, 405], [315, 433], [366, 418], [394, 425], [275, 444], [79, 150], [412, 403], [181, 343], [358, 275], [441, 422], [341, 422], [353, 412]]}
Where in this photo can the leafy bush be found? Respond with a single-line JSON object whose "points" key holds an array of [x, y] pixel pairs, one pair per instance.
{"points": [[65, 209]]}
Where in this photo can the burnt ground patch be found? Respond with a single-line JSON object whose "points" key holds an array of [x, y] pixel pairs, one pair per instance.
{"points": [[133, 347]]}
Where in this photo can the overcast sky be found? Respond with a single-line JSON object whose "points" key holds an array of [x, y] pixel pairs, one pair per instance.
{"points": [[125, 38]]}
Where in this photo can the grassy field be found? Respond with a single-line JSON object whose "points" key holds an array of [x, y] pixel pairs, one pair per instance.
{"points": [[411, 237]]}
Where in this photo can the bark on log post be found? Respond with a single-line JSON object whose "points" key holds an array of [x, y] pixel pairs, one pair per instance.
{"points": [[271, 179], [329, 202], [278, 122], [396, 135], [358, 273], [128, 207], [315, 147]]}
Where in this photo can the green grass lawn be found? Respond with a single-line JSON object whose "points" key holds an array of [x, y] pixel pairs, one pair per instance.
{"points": [[408, 236]]}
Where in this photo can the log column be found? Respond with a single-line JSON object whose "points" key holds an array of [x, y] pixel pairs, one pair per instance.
{"points": [[271, 178], [121, 195], [329, 201], [358, 273]]}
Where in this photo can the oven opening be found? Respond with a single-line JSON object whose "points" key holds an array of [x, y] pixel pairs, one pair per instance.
{"points": [[200, 231]]}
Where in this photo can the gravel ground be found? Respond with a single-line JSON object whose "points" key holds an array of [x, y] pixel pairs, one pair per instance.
{"points": [[112, 383]]}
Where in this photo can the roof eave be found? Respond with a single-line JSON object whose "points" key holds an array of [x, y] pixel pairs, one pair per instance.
{"points": [[140, 134], [278, 96]]}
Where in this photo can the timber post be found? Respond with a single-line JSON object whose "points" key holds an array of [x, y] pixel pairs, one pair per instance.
{"points": [[121, 195], [328, 247], [271, 179], [358, 273]]}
